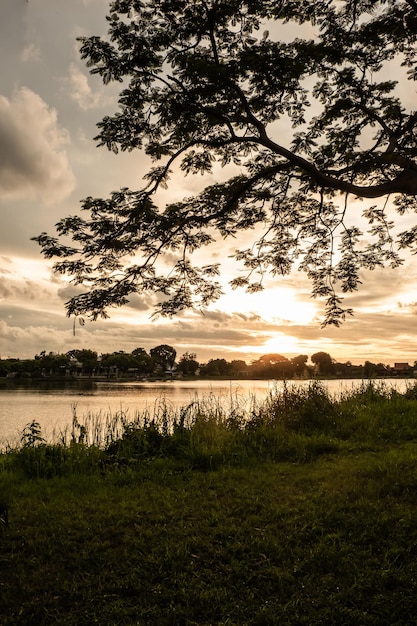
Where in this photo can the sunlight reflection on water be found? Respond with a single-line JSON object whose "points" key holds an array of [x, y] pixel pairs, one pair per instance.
{"points": [[53, 406]]}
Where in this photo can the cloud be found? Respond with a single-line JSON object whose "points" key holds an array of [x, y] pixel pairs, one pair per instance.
{"points": [[222, 317], [136, 302], [33, 340], [26, 329], [16, 288], [30, 52], [33, 159], [24, 290], [141, 302], [68, 291], [81, 91]]}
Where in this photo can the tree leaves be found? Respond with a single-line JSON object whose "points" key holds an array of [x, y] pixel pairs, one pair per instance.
{"points": [[205, 86]]}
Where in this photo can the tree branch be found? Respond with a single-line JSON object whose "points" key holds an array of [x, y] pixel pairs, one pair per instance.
{"points": [[413, 4], [406, 182]]}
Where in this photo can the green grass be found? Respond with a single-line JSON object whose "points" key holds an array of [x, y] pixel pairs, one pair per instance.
{"points": [[301, 513]]}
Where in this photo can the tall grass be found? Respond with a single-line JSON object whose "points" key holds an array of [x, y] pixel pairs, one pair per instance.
{"points": [[291, 424], [110, 524]]}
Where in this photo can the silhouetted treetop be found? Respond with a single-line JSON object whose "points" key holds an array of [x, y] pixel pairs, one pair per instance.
{"points": [[164, 355], [297, 100]]}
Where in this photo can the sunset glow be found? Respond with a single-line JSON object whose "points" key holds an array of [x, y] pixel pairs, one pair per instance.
{"points": [[281, 344], [49, 107]]}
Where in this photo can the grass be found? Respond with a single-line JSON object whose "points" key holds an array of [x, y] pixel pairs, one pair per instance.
{"points": [[302, 512]]}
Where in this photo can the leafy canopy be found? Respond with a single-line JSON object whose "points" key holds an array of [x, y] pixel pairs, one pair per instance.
{"points": [[224, 83]]}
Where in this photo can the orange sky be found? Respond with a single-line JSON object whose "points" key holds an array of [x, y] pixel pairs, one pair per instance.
{"points": [[49, 105]]}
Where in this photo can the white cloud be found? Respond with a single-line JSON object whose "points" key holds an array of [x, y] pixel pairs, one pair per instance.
{"points": [[82, 93], [30, 52], [33, 159], [24, 289], [33, 338]]}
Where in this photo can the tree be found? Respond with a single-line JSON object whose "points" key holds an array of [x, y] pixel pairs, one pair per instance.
{"points": [[223, 83], [164, 355], [238, 367], [324, 362], [52, 360], [139, 353], [215, 367], [273, 366], [143, 362], [300, 364], [370, 369], [121, 360], [273, 359], [87, 358], [188, 364]]}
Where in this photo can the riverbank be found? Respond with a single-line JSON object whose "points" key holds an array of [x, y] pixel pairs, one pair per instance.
{"points": [[304, 515], [83, 379]]}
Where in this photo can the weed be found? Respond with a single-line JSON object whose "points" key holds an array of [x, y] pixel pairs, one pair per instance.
{"points": [[32, 435]]}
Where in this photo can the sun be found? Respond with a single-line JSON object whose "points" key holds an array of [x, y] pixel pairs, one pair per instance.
{"points": [[272, 305], [282, 303], [279, 343]]}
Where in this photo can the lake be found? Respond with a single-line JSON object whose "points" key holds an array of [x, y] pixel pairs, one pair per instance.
{"points": [[53, 405]]}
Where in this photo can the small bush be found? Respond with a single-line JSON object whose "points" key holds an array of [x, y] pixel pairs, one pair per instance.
{"points": [[304, 410]]}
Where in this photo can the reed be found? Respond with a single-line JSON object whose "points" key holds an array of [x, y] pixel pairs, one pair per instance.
{"points": [[293, 423]]}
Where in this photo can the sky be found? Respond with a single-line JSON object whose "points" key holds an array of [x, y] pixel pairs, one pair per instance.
{"points": [[49, 108]]}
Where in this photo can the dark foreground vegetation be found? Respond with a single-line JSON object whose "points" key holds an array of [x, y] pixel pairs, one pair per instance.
{"points": [[302, 512]]}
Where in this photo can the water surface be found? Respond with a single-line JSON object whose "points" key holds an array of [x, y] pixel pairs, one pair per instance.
{"points": [[53, 405]]}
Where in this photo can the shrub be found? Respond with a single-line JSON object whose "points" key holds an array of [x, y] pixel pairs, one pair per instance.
{"points": [[304, 410]]}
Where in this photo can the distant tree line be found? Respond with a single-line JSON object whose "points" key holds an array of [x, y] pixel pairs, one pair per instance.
{"points": [[139, 362], [161, 361]]}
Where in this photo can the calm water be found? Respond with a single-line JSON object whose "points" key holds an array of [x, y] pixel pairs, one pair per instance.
{"points": [[52, 406]]}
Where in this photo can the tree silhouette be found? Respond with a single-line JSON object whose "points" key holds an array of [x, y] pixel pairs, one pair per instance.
{"points": [[324, 362], [188, 364], [297, 101], [164, 355]]}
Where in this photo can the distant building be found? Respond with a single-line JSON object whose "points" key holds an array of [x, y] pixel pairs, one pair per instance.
{"points": [[401, 367]]}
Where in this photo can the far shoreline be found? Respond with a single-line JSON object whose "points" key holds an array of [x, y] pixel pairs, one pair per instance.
{"points": [[28, 380]]}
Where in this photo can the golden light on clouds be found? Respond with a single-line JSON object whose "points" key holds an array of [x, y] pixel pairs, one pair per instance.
{"points": [[30, 269], [278, 343], [50, 105], [274, 304]]}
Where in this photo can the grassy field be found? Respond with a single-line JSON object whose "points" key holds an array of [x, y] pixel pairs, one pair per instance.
{"points": [[303, 512]]}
